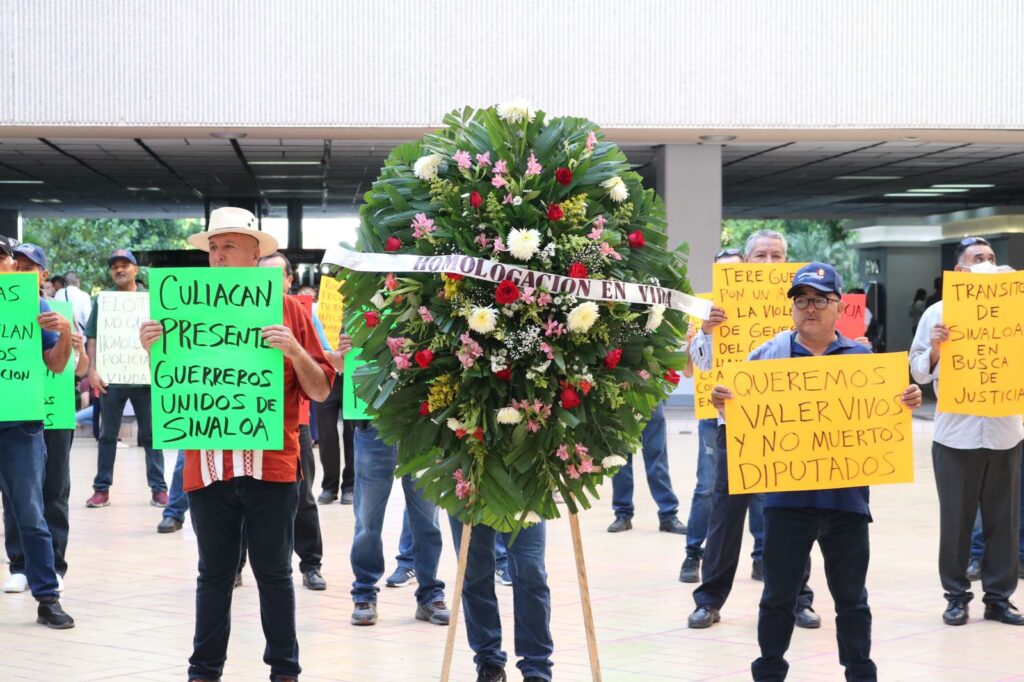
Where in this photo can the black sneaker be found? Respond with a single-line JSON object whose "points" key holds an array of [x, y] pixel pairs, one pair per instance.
{"points": [[503, 577], [672, 525], [621, 523], [401, 577], [435, 612], [757, 571], [364, 613], [169, 524], [491, 673], [957, 612], [52, 615], [326, 497], [690, 570], [312, 580], [974, 569], [347, 497]]}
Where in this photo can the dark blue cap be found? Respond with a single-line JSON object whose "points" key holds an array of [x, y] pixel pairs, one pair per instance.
{"points": [[33, 253], [7, 244], [820, 276], [122, 254]]}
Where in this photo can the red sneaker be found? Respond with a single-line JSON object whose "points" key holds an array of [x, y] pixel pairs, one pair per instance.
{"points": [[100, 498], [159, 500]]}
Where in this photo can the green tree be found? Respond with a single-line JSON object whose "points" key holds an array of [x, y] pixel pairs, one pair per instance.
{"points": [[826, 241], [83, 245]]}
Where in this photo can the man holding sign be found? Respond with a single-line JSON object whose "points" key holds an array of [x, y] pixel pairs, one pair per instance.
{"points": [[976, 456], [257, 488], [836, 518], [26, 318]]}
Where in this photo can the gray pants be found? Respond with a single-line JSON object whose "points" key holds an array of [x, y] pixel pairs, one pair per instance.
{"points": [[966, 479]]}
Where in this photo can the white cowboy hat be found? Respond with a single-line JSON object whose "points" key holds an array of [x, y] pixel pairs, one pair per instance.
{"points": [[237, 220]]}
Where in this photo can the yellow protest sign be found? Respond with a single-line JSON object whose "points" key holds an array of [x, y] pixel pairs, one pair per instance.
{"points": [[982, 363], [753, 296], [702, 381], [818, 423], [330, 308]]}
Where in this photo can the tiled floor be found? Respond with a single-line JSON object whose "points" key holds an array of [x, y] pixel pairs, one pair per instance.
{"points": [[132, 590]]}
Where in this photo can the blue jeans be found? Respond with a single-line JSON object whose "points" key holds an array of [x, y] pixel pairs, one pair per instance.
{"points": [[700, 504], [655, 449], [531, 599], [218, 514], [177, 500], [22, 461], [375, 475], [407, 548], [978, 538], [843, 539], [111, 411]]}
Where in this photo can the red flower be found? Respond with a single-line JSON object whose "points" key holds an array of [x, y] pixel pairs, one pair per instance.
{"points": [[479, 434], [636, 239], [555, 212], [585, 387], [424, 357], [452, 276], [393, 244], [504, 374], [570, 398], [372, 318], [672, 377], [475, 200], [460, 433], [578, 270], [507, 292], [563, 175], [424, 408], [614, 357]]}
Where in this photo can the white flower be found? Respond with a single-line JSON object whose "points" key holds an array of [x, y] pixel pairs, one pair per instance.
{"points": [[516, 111], [498, 363], [582, 317], [425, 167], [532, 519], [655, 317], [454, 424], [616, 189], [509, 415], [523, 243], [613, 461], [516, 201], [378, 300], [483, 320]]}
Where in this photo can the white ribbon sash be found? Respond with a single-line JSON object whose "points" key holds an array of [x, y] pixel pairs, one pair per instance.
{"points": [[480, 268]]}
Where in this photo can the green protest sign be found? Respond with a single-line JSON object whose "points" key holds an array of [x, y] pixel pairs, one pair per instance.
{"points": [[59, 389], [351, 406], [21, 357], [216, 384]]}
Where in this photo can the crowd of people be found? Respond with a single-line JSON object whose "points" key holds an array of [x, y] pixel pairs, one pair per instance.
{"points": [[977, 464]]}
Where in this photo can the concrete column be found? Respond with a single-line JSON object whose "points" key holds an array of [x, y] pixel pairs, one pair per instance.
{"points": [[689, 180], [294, 224], [10, 223]]}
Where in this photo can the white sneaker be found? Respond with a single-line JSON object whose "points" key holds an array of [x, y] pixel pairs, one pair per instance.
{"points": [[60, 583], [16, 583]]}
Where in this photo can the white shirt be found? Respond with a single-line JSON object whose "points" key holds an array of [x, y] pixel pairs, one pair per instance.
{"points": [[81, 304], [959, 431]]}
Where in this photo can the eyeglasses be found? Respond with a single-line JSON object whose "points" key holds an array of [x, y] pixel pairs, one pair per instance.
{"points": [[967, 243], [819, 302], [728, 253]]}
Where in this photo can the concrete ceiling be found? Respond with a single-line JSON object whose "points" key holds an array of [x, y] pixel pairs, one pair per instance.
{"points": [[173, 176]]}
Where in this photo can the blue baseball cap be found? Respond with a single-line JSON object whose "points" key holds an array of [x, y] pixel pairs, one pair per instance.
{"points": [[122, 254], [820, 276], [33, 253]]}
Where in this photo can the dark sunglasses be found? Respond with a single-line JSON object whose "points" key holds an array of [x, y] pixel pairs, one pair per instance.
{"points": [[967, 243], [728, 253]]}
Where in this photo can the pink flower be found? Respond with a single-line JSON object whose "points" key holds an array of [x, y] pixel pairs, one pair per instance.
{"points": [[609, 251], [402, 361], [553, 327], [599, 222], [546, 349], [532, 426], [425, 314], [532, 167], [482, 240], [483, 160], [562, 452], [469, 352], [390, 283], [498, 181], [499, 245], [591, 141], [462, 486], [645, 375], [500, 167], [508, 198], [581, 450], [396, 343], [543, 298], [571, 470], [526, 295], [463, 159], [422, 226], [586, 465]]}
